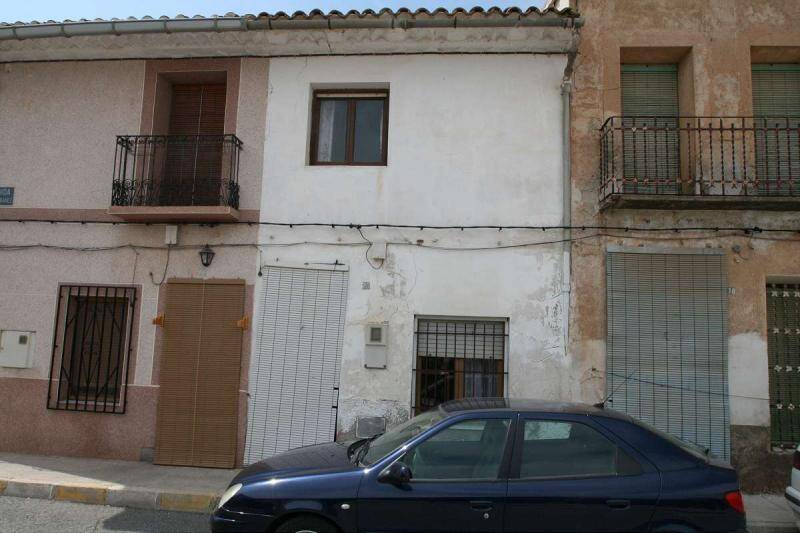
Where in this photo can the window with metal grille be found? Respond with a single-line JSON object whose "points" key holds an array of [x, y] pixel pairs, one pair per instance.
{"points": [[91, 348], [458, 358], [783, 346]]}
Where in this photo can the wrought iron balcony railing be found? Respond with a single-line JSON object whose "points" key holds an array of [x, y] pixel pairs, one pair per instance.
{"points": [[699, 157], [176, 170]]}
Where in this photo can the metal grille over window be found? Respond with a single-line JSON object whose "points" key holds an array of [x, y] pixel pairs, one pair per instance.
{"points": [[458, 359], [783, 345], [667, 344], [91, 349]]}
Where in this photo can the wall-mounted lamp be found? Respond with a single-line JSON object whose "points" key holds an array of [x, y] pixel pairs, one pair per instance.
{"points": [[206, 255]]}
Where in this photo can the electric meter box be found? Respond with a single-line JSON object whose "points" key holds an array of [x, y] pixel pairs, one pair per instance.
{"points": [[16, 348]]}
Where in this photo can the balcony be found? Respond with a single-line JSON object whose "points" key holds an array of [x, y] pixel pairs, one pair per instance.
{"points": [[700, 163], [176, 178]]}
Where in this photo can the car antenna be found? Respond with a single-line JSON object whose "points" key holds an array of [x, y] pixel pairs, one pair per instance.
{"points": [[602, 404]]}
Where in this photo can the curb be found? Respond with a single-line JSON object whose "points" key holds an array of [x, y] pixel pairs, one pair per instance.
{"points": [[186, 502]]}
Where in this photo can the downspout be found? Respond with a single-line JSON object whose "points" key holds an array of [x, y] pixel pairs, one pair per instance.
{"points": [[566, 188]]}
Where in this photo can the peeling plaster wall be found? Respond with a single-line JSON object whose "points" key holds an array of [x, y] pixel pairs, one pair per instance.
{"points": [[719, 34], [472, 140]]}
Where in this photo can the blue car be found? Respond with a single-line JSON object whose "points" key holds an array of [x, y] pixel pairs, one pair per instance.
{"points": [[491, 465]]}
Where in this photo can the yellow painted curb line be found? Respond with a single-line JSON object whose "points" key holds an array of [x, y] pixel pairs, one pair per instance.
{"points": [[91, 495], [197, 503], [3, 485]]}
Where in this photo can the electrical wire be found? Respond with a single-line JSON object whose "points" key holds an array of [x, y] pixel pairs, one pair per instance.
{"points": [[746, 229], [366, 242], [366, 252], [674, 387], [166, 267]]}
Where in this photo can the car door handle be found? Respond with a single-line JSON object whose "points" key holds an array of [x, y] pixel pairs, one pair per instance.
{"points": [[619, 504], [481, 506]]}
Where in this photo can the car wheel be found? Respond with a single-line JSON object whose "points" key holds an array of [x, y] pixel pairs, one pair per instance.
{"points": [[306, 524]]}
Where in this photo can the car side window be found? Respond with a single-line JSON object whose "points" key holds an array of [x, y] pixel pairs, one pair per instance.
{"points": [[555, 448], [470, 449]]}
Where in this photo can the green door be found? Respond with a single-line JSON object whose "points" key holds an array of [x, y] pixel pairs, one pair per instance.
{"points": [[776, 108], [650, 140]]}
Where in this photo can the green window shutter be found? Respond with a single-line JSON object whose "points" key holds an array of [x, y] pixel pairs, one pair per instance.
{"points": [[650, 90], [776, 110], [667, 343], [651, 156]]}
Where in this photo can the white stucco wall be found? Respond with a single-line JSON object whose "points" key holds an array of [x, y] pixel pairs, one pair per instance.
{"points": [[473, 139]]}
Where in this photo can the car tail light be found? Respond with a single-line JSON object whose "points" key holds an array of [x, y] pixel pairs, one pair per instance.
{"points": [[796, 460], [734, 499]]}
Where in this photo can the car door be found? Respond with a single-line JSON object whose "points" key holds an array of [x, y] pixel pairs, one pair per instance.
{"points": [[458, 481], [570, 474]]}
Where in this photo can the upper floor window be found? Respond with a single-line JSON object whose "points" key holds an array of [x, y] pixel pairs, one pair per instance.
{"points": [[349, 127]]}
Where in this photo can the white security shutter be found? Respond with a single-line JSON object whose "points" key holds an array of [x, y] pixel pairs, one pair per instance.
{"points": [[294, 372], [667, 343]]}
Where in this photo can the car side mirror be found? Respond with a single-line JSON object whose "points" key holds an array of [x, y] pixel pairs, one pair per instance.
{"points": [[398, 473]]}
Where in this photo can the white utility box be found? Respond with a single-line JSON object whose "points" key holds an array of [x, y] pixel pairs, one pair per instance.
{"points": [[375, 355], [16, 348]]}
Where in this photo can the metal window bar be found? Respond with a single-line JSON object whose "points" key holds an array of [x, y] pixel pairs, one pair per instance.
{"points": [[91, 348], [691, 156], [783, 347], [458, 359], [176, 170]]}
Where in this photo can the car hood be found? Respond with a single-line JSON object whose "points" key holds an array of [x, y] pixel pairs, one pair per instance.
{"points": [[305, 461]]}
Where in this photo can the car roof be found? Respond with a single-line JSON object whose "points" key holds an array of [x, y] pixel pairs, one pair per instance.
{"points": [[528, 405]]}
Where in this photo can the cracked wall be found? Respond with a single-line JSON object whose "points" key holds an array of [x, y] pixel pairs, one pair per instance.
{"points": [[472, 140]]}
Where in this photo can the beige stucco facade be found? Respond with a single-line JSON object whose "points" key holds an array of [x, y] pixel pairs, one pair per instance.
{"points": [[714, 44], [57, 142]]}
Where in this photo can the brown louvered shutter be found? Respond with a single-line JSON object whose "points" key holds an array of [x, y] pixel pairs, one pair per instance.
{"points": [[200, 366], [218, 376], [193, 166]]}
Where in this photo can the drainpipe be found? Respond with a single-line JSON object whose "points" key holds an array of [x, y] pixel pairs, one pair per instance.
{"points": [[566, 187]]}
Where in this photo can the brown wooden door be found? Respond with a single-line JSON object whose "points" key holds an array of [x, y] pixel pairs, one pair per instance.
{"points": [[197, 421], [193, 165]]}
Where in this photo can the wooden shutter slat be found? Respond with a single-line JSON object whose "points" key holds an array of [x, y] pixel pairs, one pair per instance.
{"points": [[199, 382]]}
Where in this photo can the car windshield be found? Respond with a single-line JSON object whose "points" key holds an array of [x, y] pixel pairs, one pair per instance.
{"points": [[399, 435]]}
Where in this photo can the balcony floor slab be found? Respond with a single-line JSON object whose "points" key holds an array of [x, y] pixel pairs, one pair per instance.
{"points": [[211, 213], [679, 202]]}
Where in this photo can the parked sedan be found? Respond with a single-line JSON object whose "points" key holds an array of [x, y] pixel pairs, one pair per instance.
{"points": [[489, 466]]}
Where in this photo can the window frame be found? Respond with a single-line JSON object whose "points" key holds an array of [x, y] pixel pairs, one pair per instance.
{"points": [[503, 365], [519, 438], [351, 97], [124, 353], [505, 461]]}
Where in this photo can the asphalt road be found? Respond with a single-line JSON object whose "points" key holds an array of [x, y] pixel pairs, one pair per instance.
{"points": [[25, 515]]}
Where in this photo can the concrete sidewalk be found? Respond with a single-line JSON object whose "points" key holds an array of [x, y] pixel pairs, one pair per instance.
{"points": [[768, 513], [107, 482]]}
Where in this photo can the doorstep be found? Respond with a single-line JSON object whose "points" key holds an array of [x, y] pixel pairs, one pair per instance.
{"points": [[110, 482]]}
